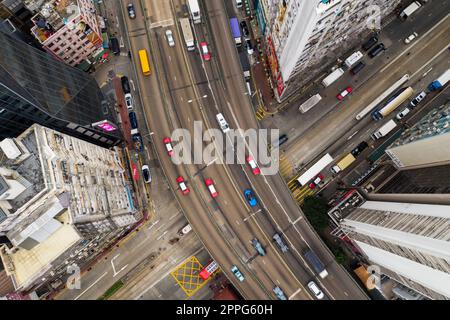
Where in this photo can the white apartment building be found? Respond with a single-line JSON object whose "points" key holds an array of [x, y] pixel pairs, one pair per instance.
{"points": [[62, 201], [68, 29], [303, 36], [408, 241]]}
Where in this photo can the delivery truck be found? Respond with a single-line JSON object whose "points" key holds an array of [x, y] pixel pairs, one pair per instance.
{"points": [[384, 130], [343, 163]]}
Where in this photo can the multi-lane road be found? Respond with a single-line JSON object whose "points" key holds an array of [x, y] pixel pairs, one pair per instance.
{"points": [[183, 89]]}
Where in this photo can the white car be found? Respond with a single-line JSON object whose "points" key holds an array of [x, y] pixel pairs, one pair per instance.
{"points": [[169, 37], [403, 113], [411, 37], [237, 273], [129, 101], [146, 174], [315, 289], [417, 99], [223, 124]]}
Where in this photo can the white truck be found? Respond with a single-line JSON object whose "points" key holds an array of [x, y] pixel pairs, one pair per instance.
{"points": [[194, 9], [409, 10], [353, 58], [384, 130], [187, 33], [332, 77]]}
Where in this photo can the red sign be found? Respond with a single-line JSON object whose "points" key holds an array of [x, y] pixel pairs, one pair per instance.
{"points": [[280, 84], [135, 171]]}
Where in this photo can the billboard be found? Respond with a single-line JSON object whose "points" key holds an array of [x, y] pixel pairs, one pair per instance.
{"points": [[105, 125]]}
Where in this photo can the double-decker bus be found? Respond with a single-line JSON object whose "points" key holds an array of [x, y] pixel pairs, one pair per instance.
{"points": [[208, 270], [145, 66]]}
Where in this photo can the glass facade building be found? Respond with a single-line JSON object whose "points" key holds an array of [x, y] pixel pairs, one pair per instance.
{"points": [[36, 88]]}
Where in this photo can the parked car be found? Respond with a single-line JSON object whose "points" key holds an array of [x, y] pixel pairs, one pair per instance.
{"points": [[114, 45], [253, 165], [237, 273], [168, 143], [402, 113], [250, 197], [414, 102], [133, 120], [169, 37], [378, 49], [279, 293], [316, 181], [369, 43], [249, 46], [125, 84], [282, 139], [146, 174], [182, 184], [315, 289], [205, 51], [344, 93], [359, 148], [129, 101], [258, 247], [138, 142], [131, 12], [210, 185], [356, 69], [245, 31], [411, 37]]}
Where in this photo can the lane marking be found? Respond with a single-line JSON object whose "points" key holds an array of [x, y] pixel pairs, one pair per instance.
{"points": [[160, 237], [93, 284]]}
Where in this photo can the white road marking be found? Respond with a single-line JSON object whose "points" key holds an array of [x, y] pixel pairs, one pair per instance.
{"points": [[434, 57], [151, 226], [237, 222], [160, 237], [93, 284], [162, 226], [295, 293], [278, 282], [245, 219], [297, 220], [172, 217]]}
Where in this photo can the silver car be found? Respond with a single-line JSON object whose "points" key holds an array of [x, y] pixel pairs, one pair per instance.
{"points": [[169, 37], [237, 273]]}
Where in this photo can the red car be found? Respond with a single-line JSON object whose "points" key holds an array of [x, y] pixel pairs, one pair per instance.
{"points": [[253, 165], [205, 51], [344, 93], [316, 181], [168, 143], [210, 184], [184, 189]]}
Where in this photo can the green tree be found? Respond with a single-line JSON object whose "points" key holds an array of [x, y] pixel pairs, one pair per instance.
{"points": [[316, 210]]}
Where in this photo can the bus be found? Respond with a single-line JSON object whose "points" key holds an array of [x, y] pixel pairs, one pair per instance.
{"points": [[144, 62], [208, 270], [194, 8], [315, 169], [187, 33], [382, 96], [392, 103]]}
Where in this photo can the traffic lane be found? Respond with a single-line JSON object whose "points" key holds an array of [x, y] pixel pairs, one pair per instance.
{"points": [[424, 50], [247, 231]]}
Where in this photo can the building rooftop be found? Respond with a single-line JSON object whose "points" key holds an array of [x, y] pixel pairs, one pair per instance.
{"points": [[30, 264]]}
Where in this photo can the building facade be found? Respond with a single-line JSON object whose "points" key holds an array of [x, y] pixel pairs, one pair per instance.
{"points": [[409, 242], [303, 36], [62, 202], [67, 29], [35, 88]]}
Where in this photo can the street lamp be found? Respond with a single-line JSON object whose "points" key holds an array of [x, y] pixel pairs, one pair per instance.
{"points": [[192, 100]]}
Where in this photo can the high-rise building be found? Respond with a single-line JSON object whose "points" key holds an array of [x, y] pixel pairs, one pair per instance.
{"points": [[67, 29], [16, 12], [35, 88], [62, 202], [406, 241], [302, 36]]}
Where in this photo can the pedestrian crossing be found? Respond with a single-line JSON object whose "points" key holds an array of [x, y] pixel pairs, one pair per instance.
{"points": [[260, 113], [299, 192]]}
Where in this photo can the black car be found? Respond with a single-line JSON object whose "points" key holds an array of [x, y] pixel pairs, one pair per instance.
{"points": [[245, 31], [133, 120], [114, 45], [359, 148], [356, 69], [282, 139], [369, 43], [125, 85], [138, 142], [131, 12], [378, 49]]}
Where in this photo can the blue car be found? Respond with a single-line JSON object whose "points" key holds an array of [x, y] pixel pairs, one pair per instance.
{"points": [[250, 196]]}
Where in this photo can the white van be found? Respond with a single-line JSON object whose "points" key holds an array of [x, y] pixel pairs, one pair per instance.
{"points": [[223, 124], [238, 3]]}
